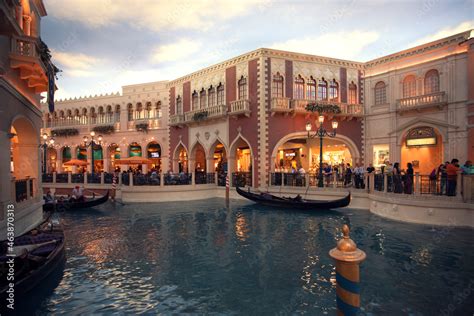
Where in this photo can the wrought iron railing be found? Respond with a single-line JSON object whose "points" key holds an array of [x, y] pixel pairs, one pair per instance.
{"points": [[178, 178], [241, 179]]}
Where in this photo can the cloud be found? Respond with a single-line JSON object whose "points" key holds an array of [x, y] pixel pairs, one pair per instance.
{"points": [[445, 32], [75, 65], [155, 15], [175, 51], [343, 45]]}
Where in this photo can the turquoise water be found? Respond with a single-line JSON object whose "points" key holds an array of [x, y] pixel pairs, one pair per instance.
{"points": [[203, 258]]}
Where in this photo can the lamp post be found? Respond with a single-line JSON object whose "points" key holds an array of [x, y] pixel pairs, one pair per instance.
{"points": [[47, 141], [92, 143], [321, 133]]}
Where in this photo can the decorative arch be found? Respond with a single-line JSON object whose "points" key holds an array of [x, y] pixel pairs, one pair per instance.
{"points": [[431, 81], [198, 156], [409, 86], [178, 164], [24, 137], [354, 151]]}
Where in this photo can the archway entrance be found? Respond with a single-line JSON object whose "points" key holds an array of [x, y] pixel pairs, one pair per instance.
{"points": [[114, 153], [219, 163], [154, 154], [302, 152], [98, 158], [134, 150], [242, 166], [24, 158], [81, 154], [199, 156], [181, 158], [51, 159], [423, 147]]}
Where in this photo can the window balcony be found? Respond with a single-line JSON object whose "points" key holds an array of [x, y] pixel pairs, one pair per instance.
{"points": [[176, 120], [239, 107], [280, 105], [25, 56], [437, 99], [206, 113], [349, 110]]}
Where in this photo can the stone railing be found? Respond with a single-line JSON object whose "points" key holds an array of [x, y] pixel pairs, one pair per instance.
{"points": [[83, 121], [299, 106], [240, 107], [25, 46], [207, 113], [280, 105], [421, 101], [176, 119]]}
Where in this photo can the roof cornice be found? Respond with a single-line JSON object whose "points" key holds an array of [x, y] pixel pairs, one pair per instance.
{"points": [[420, 49]]}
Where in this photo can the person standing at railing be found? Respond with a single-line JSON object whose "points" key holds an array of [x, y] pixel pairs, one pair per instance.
{"points": [[348, 175], [397, 178], [452, 172], [443, 176], [408, 184], [327, 173], [359, 176]]}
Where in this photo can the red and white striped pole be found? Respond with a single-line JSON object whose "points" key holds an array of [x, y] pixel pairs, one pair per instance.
{"points": [[227, 188], [114, 185]]}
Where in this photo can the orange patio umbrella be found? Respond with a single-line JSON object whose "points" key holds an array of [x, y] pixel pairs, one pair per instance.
{"points": [[75, 162], [133, 161]]}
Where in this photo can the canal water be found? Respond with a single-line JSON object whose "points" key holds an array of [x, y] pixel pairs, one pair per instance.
{"points": [[201, 257]]}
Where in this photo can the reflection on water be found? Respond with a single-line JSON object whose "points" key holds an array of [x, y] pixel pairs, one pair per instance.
{"points": [[202, 258]]}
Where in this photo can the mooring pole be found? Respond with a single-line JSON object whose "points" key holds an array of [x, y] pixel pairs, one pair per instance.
{"points": [[227, 188], [348, 258]]}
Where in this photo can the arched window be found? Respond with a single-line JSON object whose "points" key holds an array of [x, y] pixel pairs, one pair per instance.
{"points": [[117, 113], [409, 86], [61, 114], [202, 99], [242, 88], [158, 109], [333, 91], [277, 86], [179, 105], [311, 89], [352, 93], [322, 89], [432, 81], [130, 112], [148, 110], [220, 94], [212, 96], [195, 101], [139, 111], [298, 88], [69, 114], [380, 93]]}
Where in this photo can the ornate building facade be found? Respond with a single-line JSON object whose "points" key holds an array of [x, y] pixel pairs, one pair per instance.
{"points": [[23, 76], [247, 114], [131, 123]]}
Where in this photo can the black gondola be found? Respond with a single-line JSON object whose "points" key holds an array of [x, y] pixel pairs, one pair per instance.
{"points": [[41, 253], [66, 205], [297, 202]]}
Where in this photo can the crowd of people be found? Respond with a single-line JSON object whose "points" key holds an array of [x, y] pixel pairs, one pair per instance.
{"points": [[442, 180]]}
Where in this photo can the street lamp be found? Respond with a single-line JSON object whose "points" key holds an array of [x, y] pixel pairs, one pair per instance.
{"points": [[321, 133], [92, 143], [47, 141]]}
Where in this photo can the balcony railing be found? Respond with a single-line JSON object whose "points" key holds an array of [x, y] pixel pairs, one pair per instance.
{"points": [[207, 113], [240, 107], [83, 121], [280, 105], [422, 101], [176, 119], [299, 106], [25, 46]]}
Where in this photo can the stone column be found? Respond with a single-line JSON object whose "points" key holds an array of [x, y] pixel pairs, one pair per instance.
{"points": [[27, 25], [59, 161], [89, 159], [123, 117], [230, 168], [459, 186], [106, 160], [144, 155], [210, 165], [417, 184]]}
